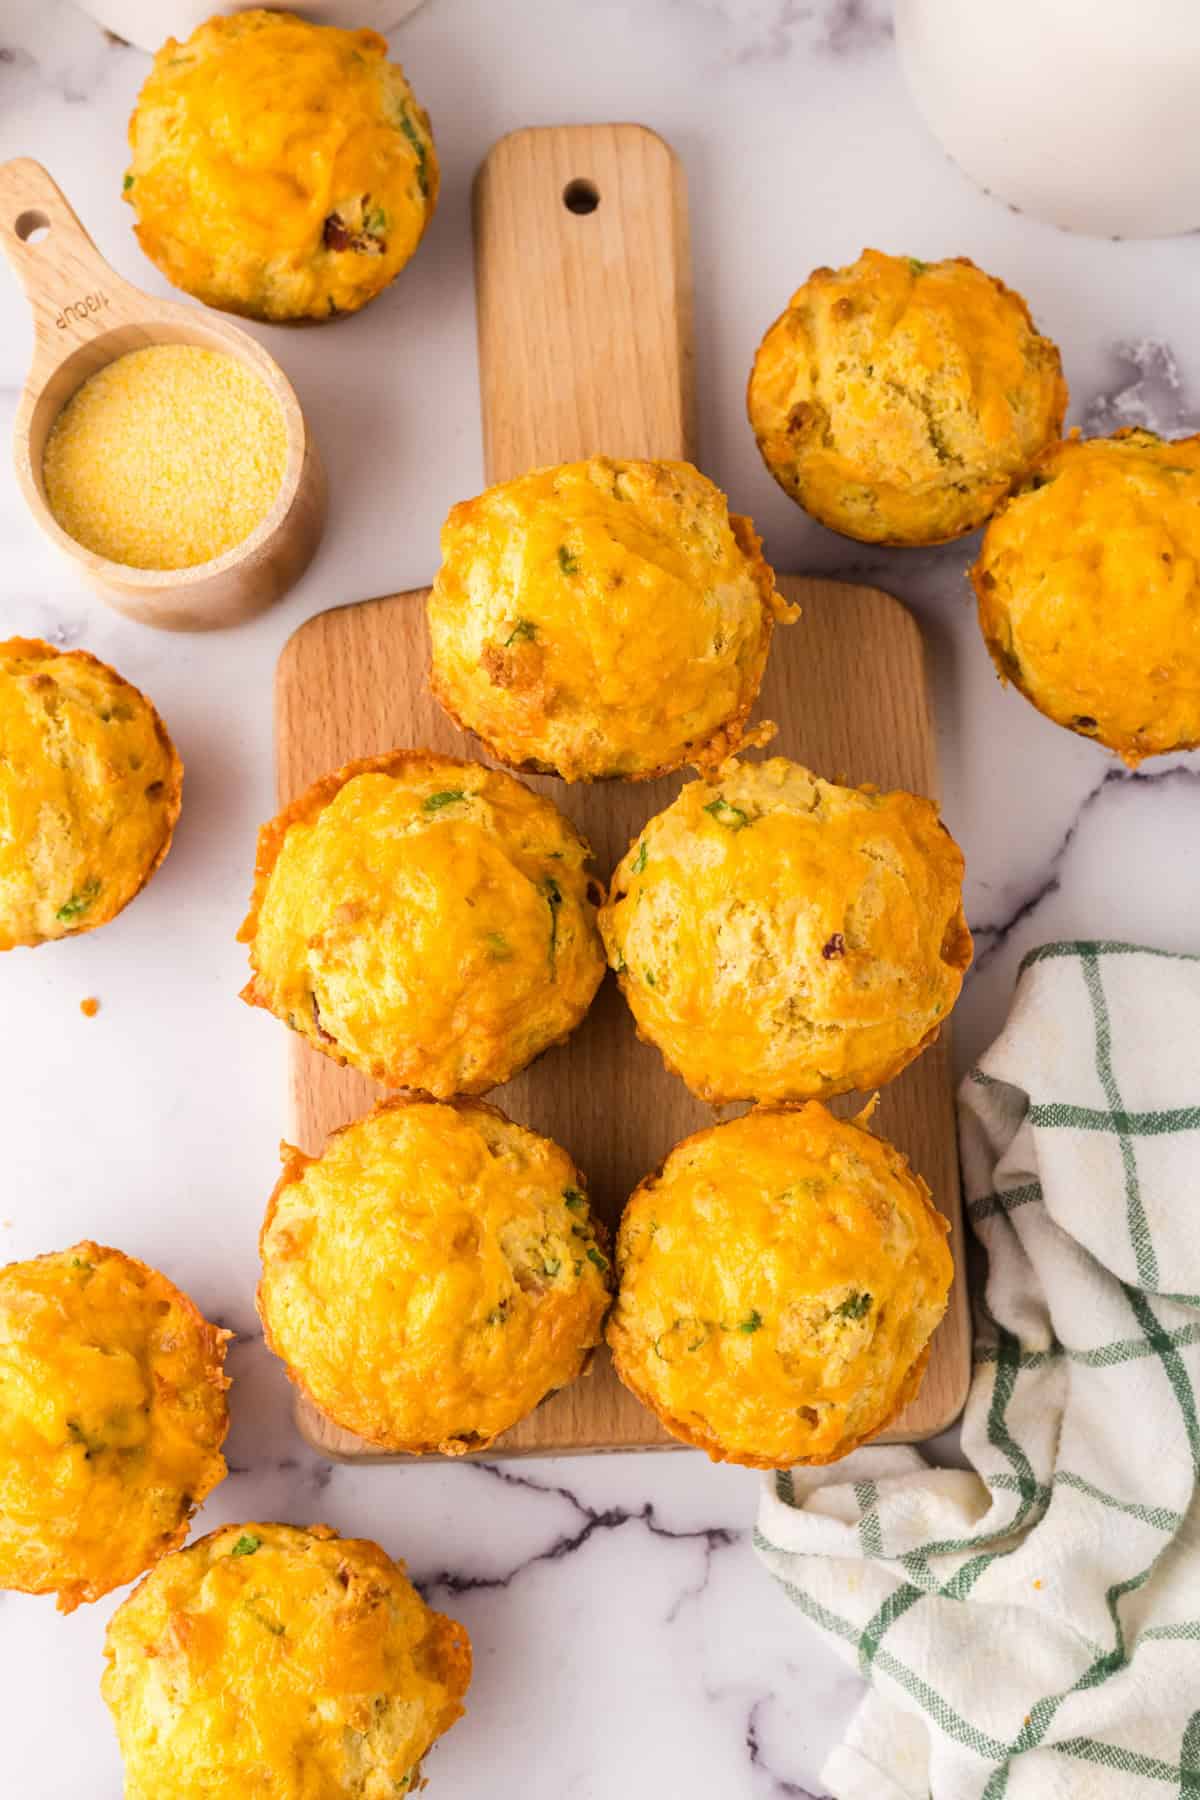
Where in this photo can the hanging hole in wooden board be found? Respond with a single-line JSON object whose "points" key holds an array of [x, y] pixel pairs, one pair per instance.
{"points": [[581, 196], [31, 226]]}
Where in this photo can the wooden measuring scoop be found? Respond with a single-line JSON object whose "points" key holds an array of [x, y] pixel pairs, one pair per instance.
{"points": [[84, 316]]}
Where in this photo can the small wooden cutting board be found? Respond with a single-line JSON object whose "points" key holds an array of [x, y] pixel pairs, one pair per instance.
{"points": [[585, 346]]}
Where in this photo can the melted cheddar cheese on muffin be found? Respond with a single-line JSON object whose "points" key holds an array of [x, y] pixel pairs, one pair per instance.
{"points": [[779, 1281], [112, 1416], [1088, 584], [266, 1659], [279, 168], [425, 920], [781, 938], [602, 619], [89, 792], [432, 1275], [897, 401]]}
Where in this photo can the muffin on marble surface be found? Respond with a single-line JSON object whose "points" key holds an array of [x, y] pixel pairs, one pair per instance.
{"points": [[428, 921], [268, 1659], [279, 168], [898, 401], [779, 1281], [778, 937], [432, 1275], [112, 1416], [1088, 584], [90, 788], [602, 618]]}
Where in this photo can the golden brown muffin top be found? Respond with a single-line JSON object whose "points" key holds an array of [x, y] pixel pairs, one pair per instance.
{"points": [[112, 1416], [898, 400], [269, 1659], [1089, 591], [779, 937], [89, 792], [426, 920], [279, 168], [602, 618], [780, 1279], [433, 1275]]}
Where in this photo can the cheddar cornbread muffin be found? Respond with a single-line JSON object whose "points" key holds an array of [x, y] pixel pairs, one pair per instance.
{"points": [[602, 618], [278, 168], [112, 1416], [425, 920], [897, 401], [779, 1281], [1089, 591], [267, 1659], [782, 938], [89, 792], [432, 1275]]}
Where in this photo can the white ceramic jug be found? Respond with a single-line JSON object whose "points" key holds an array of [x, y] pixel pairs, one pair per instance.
{"points": [[1085, 113]]}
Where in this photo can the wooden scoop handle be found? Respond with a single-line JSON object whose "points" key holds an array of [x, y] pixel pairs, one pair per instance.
{"points": [[71, 289]]}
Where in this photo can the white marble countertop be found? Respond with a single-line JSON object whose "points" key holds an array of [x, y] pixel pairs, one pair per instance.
{"points": [[626, 1640]]}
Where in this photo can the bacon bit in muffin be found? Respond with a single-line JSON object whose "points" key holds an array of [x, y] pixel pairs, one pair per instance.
{"points": [[835, 947], [89, 1007], [326, 1037]]}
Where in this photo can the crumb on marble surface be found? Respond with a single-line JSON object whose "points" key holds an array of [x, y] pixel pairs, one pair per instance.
{"points": [[89, 1007]]}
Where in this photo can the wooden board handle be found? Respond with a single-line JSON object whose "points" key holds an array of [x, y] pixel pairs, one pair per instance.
{"points": [[71, 289], [583, 279]]}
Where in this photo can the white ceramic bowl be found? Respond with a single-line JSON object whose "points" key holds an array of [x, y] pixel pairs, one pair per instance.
{"points": [[1085, 113], [149, 23]]}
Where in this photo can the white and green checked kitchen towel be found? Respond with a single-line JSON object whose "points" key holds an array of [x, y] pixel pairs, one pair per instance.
{"points": [[1031, 1630]]}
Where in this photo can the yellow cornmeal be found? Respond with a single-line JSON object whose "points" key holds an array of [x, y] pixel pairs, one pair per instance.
{"points": [[166, 458]]}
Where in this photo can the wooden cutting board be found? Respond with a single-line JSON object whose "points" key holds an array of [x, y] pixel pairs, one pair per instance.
{"points": [[585, 345]]}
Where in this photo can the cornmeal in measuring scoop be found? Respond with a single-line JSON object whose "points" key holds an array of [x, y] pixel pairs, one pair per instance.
{"points": [[1088, 583], [432, 1275], [89, 792], [280, 168], [779, 1281], [112, 1415], [779, 937], [428, 921], [898, 401], [603, 618], [166, 458], [271, 1660]]}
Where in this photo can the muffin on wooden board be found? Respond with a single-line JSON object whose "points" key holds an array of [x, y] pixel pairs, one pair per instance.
{"points": [[279, 168], [779, 937], [112, 1416], [897, 401], [90, 788], [268, 1659], [1089, 590], [602, 619], [779, 1281], [432, 1275], [428, 921]]}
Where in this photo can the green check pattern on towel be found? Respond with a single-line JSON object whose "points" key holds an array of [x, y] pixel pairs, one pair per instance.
{"points": [[1031, 1629]]}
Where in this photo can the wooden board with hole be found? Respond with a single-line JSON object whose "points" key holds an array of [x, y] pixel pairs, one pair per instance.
{"points": [[585, 346]]}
